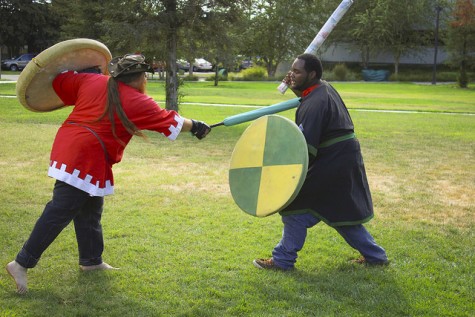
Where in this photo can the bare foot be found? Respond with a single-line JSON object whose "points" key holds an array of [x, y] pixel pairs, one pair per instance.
{"points": [[102, 266], [18, 273]]}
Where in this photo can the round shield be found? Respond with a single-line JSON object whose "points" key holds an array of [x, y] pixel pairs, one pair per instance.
{"points": [[268, 166], [34, 87]]}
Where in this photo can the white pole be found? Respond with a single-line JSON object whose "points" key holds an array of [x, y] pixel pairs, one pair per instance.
{"points": [[323, 33]]}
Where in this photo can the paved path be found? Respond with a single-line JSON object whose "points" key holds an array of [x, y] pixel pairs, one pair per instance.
{"points": [[8, 78]]}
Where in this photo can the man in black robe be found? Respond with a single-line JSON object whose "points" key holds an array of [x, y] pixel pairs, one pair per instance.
{"points": [[336, 189]]}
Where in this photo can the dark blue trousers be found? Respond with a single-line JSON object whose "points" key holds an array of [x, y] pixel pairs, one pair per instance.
{"points": [[68, 204], [295, 233]]}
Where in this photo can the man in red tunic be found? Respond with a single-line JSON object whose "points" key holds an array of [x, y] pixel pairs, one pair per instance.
{"points": [[107, 112]]}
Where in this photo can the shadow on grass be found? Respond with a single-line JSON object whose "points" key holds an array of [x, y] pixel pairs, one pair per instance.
{"points": [[346, 290], [92, 295]]}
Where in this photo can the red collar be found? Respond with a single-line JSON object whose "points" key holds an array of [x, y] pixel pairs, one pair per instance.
{"points": [[309, 90]]}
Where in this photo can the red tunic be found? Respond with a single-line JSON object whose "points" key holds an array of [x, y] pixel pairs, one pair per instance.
{"points": [[78, 157]]}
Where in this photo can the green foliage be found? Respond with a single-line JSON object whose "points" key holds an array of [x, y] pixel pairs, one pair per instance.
{"points": [[220, 78], [254, 73], [40, 32], [424, 76], [349, 76], [277, 31], [461, 42], [462, 78], [388, 25], [340, 71], [190, 78]]}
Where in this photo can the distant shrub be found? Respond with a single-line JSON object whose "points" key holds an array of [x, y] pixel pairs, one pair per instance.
{"points": [[424, 76], [340, 71], [341, 75], [254, 73], [220, 78], [190, 78], [462, 79]]}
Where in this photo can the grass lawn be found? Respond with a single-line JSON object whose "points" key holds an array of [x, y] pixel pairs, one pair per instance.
{"points": [[185, 249]]}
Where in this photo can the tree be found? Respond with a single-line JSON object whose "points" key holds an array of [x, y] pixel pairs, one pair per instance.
{"points": [[402, 25], [158, 27], [221, 48], [79, 19], [362, 30], [171, 42], [138, 26], [119, 24], [170, 28], [461, 41], [395, 26], [281, 29], [27, 24], [199, 16]]}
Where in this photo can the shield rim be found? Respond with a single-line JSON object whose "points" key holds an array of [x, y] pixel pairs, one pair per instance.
{"points": [[302, 176], [34, 86]]}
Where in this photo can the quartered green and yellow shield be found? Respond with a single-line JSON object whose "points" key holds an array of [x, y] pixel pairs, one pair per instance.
{"points": [[268, 166]]}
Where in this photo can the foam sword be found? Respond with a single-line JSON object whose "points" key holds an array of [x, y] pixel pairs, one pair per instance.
{"points": [[254, 114]]}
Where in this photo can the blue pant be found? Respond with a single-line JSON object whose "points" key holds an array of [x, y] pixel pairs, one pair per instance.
{"points": [[68, 204], [295, 232]]}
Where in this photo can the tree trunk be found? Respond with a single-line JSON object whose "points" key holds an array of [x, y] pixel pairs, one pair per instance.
{"points": [[365, 56], [216, 75], [190, 70], [171, 80], [463, 79], [396, 63], [271, 69]]}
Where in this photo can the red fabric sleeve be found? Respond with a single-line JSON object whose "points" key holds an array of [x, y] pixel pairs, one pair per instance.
{"points": [[146, 114], [65, 86]]}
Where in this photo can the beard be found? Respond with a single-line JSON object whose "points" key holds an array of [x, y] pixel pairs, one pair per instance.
{"points": [[305, 83]]}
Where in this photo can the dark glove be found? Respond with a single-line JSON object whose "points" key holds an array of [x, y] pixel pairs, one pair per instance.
{"points": [[93, 70], [200, 129]]}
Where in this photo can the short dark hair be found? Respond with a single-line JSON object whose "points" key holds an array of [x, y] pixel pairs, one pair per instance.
{"points": [[312, 63]]}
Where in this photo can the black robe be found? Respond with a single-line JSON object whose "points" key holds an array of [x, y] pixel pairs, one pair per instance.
{"points": [[336, 189]]}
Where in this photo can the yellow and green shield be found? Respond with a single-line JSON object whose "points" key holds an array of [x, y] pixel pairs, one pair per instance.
{"points": [[268, 166]]}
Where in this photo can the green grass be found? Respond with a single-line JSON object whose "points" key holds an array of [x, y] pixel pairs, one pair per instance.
{"points": [[401, 96], [185, 249]]}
